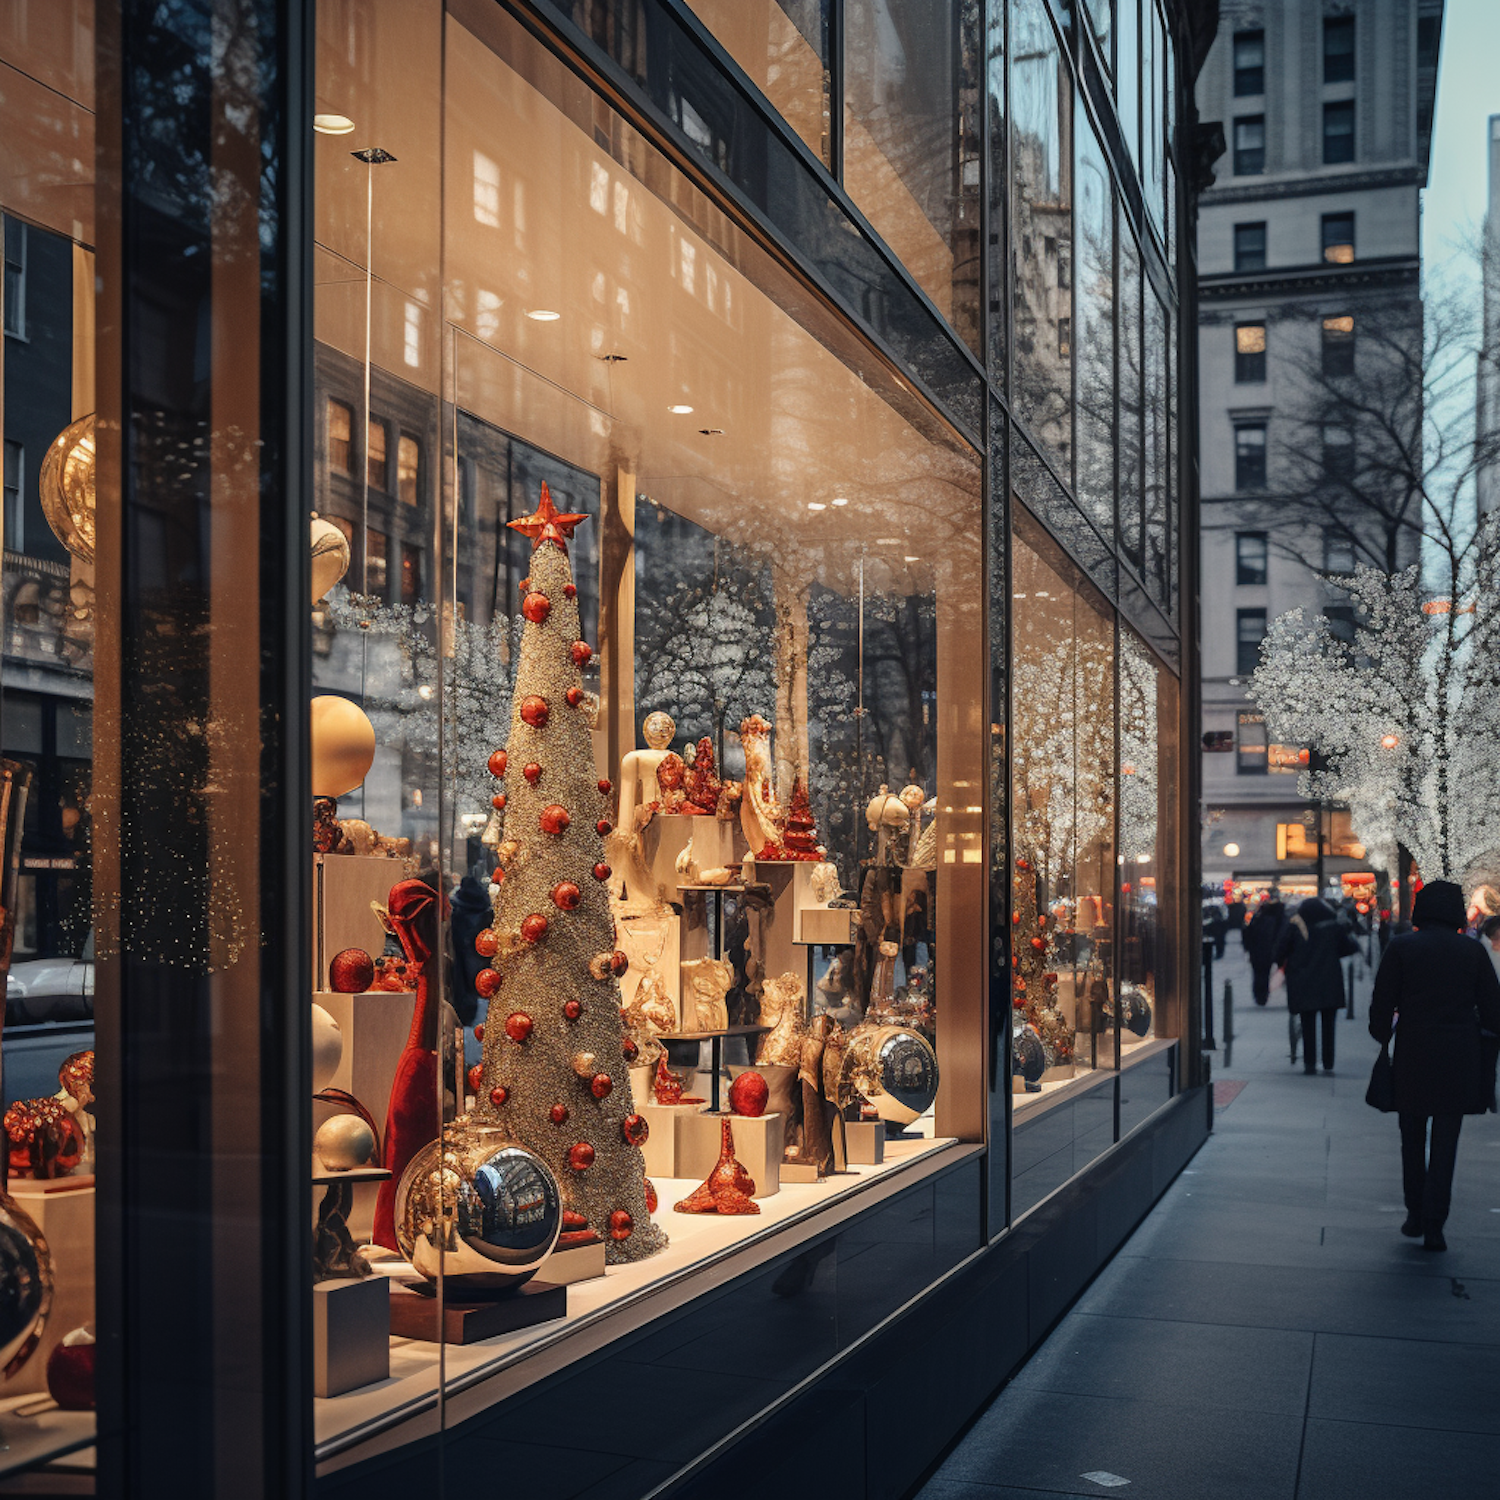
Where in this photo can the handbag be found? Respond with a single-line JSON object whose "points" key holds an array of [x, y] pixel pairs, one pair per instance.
{"points": [[1381, 1094]]}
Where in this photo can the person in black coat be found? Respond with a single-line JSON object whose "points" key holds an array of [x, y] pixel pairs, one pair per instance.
{"points": [[1261, 935], [1309, 950], [1434, 991]]}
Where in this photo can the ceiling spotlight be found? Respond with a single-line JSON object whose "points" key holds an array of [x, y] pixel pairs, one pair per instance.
{"points": [[1231, 851], [681, 411], [543, 315], [888, 541], [816, 505], [332, 124], [840, 499], [911, 559]]}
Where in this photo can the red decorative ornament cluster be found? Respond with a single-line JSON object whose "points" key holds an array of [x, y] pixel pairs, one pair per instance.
{"points": [[581, 1156], [518, 1026], [487, 944], [532, 772], [566, 895], [351, 972], [534, 710], [486, 983], [497, 763], [620, 1225], [555, 819], [602, 871], [601, 1085], [534, 927], [536, 608], [499, 1094], [574, 695], [572, 1009], [558, 1114], [582, 653]]}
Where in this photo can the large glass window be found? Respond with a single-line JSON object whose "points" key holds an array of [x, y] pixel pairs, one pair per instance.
{"points": [[1250, 247], [1250, 631], [1249, 145], [1249, 353], [1338, 238], [1156, 566], [1338, 344], [1041, 99], [1338, 132], [1250, 557], [1131, 402], [1338, 49], [1250, 456], [911, 142], [1249, 63], [1094, 299]]}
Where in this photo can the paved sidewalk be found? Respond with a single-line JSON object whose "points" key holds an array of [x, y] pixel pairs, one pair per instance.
{"points": [[1267, 1333]]}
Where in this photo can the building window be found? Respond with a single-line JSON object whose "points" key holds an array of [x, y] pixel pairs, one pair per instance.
{"points": [[377, 557], [1250, 146], [408, 466], [1340, 618], [1250, 247], [1064, 337], [1338, 345], [1338, 550], [1251, 757], [1249, 632], [340, 435], [1250, 557], [1338, 451], [1338, 49], [15, 278], [1249, 353], [375, 465], [15, 512], [1338, 132], [1249, 63], [1338, 238], [1250, 457], [411, 574]]}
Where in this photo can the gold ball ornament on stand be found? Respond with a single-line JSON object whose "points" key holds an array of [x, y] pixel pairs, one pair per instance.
{"points": [[330, 556], [66, 484], [343, 745]]}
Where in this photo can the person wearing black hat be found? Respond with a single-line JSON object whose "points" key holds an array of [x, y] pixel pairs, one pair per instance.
{"points": [[1309, 950], [1434, 992]]}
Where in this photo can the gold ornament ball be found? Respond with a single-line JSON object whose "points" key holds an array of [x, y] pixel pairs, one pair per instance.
{"points": [[343, 746], [330, 556], [658, 730], [344, 1143]]}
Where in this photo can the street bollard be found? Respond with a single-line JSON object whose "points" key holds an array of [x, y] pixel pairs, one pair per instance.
{"points": [[1209, 1044], [1228, 1021], [1349, 1006]]}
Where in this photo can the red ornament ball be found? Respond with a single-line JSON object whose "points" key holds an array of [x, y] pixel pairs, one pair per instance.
{"points": [[536, 608], [606, 785], [526, 584], [534, 927], [497, 763], [651, 1198], [558, 1114], [630, 1049], [635, 1130], [572, 1009], [499, 1094], [351, 972], [574, 695], [479, 1032], [555, 819], [486, 982], [534, 710], [496, 875], [518, 1026], [498, 801], [532, 772], [566, 895], [70, 1376], [618, 963], [748, 1095], [1040, 944], [570, 590], [601, 1085], [582, 653], [603, 826], [620, 1225], [487, 944], [581, 1156], [475, 1077], [602, 871]]}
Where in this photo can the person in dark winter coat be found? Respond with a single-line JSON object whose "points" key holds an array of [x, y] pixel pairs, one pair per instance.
{"points": [[1261, 936], [1434, 991], [1309, 950]]}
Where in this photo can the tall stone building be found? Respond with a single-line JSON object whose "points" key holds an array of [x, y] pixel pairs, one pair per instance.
{"points": [[1309, 257], [1487, 480]]}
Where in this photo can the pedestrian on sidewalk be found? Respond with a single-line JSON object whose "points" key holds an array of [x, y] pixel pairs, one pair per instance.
{"points": [[1435, 990], [1261, 936], [1309, 950]]}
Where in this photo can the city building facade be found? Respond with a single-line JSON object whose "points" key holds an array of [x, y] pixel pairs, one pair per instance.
{"points": [[1309, 255], [602, 639]]}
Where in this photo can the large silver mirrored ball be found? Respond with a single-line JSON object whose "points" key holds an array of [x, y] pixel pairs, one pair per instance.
{"points": [[891, 1068], [477, 1209], [25, 1286]]}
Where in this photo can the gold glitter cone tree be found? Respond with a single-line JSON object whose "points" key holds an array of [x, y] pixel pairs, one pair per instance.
{"points": [[554, 1071]]}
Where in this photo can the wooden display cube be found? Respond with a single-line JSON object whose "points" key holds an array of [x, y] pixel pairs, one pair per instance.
{"points": [[832, 926], [344, 885], [351, 1334], [415, 1310], [573, 1263], [858, 1143], [660, 1150], [758, 1146], [63, 1208]]}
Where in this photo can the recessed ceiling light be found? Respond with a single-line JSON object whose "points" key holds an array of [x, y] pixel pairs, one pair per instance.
{"points": [[681, 411], [614, 359], [816, 505], [332, 124], [888, 541], [911, 559], [840, 499], [543, 315]]}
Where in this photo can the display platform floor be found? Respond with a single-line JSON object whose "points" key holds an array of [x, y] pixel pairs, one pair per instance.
{"points": [[704, 1251], [1266, 1333], [1055, 1090]]}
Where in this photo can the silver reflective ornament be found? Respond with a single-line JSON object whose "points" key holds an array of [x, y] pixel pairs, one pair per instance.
{"points": [[477, 1209], [25, 1285], [891, 1068]]}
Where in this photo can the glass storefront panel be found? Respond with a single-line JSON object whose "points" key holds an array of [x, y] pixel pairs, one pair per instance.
{"points": [[1095, 299], [1130, 404]]}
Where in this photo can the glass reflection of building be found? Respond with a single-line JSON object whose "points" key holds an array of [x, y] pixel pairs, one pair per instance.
{"points": [[853, 330]]}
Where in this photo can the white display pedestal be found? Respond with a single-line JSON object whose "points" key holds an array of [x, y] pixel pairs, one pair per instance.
{"points": [[351, 1334], [758, 1146], [344, 885], [63, 1208]]}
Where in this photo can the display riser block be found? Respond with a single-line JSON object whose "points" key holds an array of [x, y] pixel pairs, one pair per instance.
{"points": [[1059, 1072], [773, 940], [660, 1150], [826, 925], [344, 885], [686, 938], [351, 1334], [716, 845], [800, 1172], [758, 1144], [414, 1314], [63, 1208], [576, 1263], [860, 1143]]}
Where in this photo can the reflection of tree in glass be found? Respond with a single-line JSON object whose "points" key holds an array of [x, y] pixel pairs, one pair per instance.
{"points": [[1139, 780]]}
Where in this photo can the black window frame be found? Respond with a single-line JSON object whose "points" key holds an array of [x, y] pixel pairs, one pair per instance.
{"points": [[1249, 161], [1338, 66], [1337, 537], [1338, 456], [1250, 367], [1250, 759], [1250, 571], [1249, 463], [1335, 152], [1331, 236], [1246, 258], [1249, 79], [1337, 345], [1247, 650]]}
